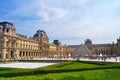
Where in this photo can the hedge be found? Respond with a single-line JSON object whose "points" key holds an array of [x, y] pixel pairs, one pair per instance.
{"points": [[53, 71]]}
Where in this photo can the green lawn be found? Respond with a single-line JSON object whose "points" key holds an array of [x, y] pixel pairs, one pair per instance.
{"points": [[71, 70], [110, 74]]}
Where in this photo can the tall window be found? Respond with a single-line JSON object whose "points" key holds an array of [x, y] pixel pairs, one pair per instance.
{"points": [[20, 53], [7, 30], [12, 44]]}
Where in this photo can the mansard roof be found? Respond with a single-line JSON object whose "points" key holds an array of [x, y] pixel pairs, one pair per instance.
{"points": [[102, 44], [40, 33], [5, 22], [5, 25]]}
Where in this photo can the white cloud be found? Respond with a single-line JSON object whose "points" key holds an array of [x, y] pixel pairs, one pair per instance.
{"points": [[95, 19], [82, 2], [48, 13]]}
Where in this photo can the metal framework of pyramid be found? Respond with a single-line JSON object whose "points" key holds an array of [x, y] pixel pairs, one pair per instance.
{"points": [[81, 51]]}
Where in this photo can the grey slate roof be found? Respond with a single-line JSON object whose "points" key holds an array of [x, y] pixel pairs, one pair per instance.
{"points": [[81, 51]]}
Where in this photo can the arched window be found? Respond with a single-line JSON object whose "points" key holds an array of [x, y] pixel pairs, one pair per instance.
{"points": [[7, 30]]}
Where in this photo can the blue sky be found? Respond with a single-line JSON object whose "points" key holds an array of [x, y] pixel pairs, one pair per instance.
{"points": [[70, 21]]}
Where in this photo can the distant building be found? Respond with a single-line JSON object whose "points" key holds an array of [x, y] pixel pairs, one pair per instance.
{"points": [[17, 46], [112, 49], [14, 46], [105, 49]]}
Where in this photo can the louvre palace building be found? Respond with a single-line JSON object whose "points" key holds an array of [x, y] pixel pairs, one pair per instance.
{"points": [[14, 46]]}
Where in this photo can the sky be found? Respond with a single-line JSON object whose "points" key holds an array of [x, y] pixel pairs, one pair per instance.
{"points": [[70, 21]]}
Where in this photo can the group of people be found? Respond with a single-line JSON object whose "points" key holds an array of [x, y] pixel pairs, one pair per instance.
{"points": [[99, 58]]}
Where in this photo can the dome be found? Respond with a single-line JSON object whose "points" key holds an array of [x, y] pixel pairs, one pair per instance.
{"points": [[88, 41], [40, 33], [56, 42]]}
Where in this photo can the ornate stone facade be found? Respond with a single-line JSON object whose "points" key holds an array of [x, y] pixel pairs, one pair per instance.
{"points": [[14, 46], [18, 46], [105, 49]]}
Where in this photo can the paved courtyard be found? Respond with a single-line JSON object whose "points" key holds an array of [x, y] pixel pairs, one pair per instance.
{"points": [[25, 65]]}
